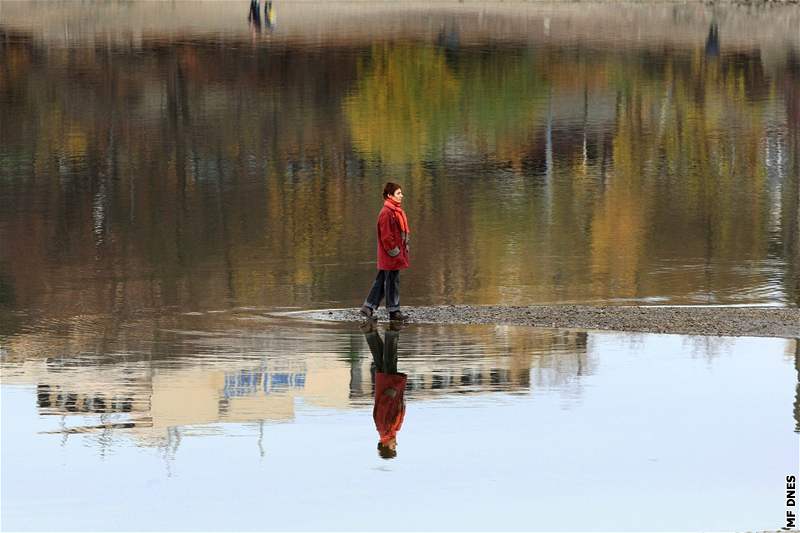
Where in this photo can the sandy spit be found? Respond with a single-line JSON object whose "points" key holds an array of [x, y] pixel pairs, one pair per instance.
{"points": [[688, 320]]}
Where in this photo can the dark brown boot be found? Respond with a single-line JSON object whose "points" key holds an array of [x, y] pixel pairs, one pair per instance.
{"points": [[397, 316]]}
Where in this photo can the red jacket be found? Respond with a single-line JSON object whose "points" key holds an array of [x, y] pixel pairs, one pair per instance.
{"points": [[390, 407], [391, 239]]}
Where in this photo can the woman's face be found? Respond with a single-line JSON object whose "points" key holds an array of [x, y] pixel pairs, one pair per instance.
{"points": [[397, 196]]}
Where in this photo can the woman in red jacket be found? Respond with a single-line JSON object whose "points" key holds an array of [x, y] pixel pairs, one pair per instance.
{"points": [[393, 235]]}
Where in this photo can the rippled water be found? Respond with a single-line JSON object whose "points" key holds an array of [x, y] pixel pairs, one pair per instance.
{"points": [[168, 156], [174, 175]]}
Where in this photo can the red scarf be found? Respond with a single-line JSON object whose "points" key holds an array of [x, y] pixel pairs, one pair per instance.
{"points": [[400, 215]]}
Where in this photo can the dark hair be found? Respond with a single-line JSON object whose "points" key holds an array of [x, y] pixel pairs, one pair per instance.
{"points": [[389, 189], [385, 452]]}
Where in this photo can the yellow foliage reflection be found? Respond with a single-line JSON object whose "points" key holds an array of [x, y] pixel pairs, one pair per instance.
{"points": [[409, 101], [402, 106]]}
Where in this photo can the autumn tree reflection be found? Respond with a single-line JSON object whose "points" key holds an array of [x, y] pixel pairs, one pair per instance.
{"points": [[404, 104], [184, 176]]}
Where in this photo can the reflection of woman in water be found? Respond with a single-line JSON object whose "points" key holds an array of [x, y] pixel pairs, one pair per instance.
{"points": [[390, 386]]}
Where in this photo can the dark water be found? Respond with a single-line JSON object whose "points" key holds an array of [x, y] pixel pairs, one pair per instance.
{"points": [[172, 175], [199, 167]]}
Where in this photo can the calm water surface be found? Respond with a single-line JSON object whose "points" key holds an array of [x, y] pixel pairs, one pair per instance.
{"points": [[245, 422], [172, 174]]}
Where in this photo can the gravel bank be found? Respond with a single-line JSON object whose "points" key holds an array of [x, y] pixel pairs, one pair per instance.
{"points": [[728, 321]]}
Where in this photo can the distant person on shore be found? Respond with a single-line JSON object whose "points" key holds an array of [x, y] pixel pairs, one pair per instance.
{"points": [[393, 237], [712, 41], [390, 385], [254, 17], [269, 15]]}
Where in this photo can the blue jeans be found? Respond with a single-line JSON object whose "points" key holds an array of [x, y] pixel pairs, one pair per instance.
{"points": [[387, 284], [384, 352]]}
